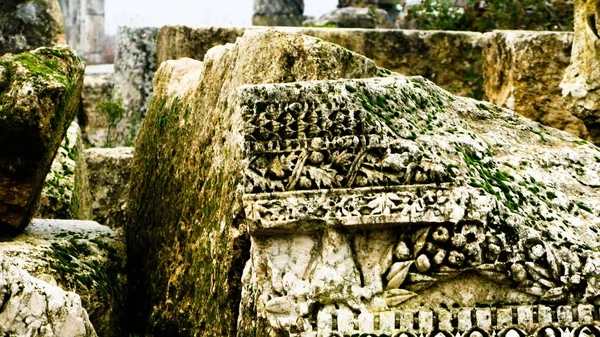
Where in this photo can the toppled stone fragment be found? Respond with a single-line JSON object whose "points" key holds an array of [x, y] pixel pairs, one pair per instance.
{"points": [[66, 194], [38, 102], [109, 171], [79, 256], [30, 24], [581, 83], [376, 205], [523, 71], [185, 244], [32, 307]]}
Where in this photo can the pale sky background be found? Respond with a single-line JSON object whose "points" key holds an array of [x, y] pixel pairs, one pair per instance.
{"points": [[156, 13]]}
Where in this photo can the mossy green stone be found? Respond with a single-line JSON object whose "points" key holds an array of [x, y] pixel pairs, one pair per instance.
{"points": [[38, 102]]}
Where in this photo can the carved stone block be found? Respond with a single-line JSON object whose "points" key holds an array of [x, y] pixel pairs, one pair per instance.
{"points": [[388, 207]]}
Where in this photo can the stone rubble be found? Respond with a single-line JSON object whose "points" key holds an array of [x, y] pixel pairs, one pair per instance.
{"points": [[82, 257], [32, 307]]}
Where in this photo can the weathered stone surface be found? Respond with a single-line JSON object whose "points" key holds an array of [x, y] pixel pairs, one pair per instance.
{"points": [[39, 97], [66, 194], [109, 171], [388, 206], [523, 71], [581, 83], [452, 60], [278, 12], [135, 64], [30, 24], [79, 256], [186, 248], [97, 88], [352, 17], [32, 307]]}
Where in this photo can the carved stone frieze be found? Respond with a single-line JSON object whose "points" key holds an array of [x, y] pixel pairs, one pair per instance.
{"points": [[388, 207]]}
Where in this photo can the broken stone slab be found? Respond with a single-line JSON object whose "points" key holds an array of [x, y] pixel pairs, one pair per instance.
{"points": [[523, 71], [30, 24], [82, 257], [109, 170], [32, 307], [66, 194], [452, 60], [186, 260], [376, 205], [135, 64], [581, 84], [39, 98]]}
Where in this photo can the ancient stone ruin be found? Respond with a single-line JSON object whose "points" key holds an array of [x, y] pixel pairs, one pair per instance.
{"points": [[386, 206], [283, 185], [379, 207]]}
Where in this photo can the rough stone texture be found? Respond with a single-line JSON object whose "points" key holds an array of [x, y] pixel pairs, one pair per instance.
{"points": [[97, 88], [135, 64], [109, 183], [79, 256], [450, 59], [30, 24], [39, 97], [32, 307], [278, 12], [66, 194], [185, 244], [387, 206], [523, 71], [353, 17], [581, 83]]}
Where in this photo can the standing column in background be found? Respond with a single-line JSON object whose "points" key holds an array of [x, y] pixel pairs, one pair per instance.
{"points": [[278, 13], [93, 29]]}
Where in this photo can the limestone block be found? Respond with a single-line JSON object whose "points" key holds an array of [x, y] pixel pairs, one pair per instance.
{"points": [[452, 60], [135, 64], [39, 98], [109, 171], [346, 18], [186, 246], [375, 206], [349, 17], [32, 307], [581, 83], [76, 256], [97, 88], [30, 24], [278, 12], [66, 194], [523, 70]]}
